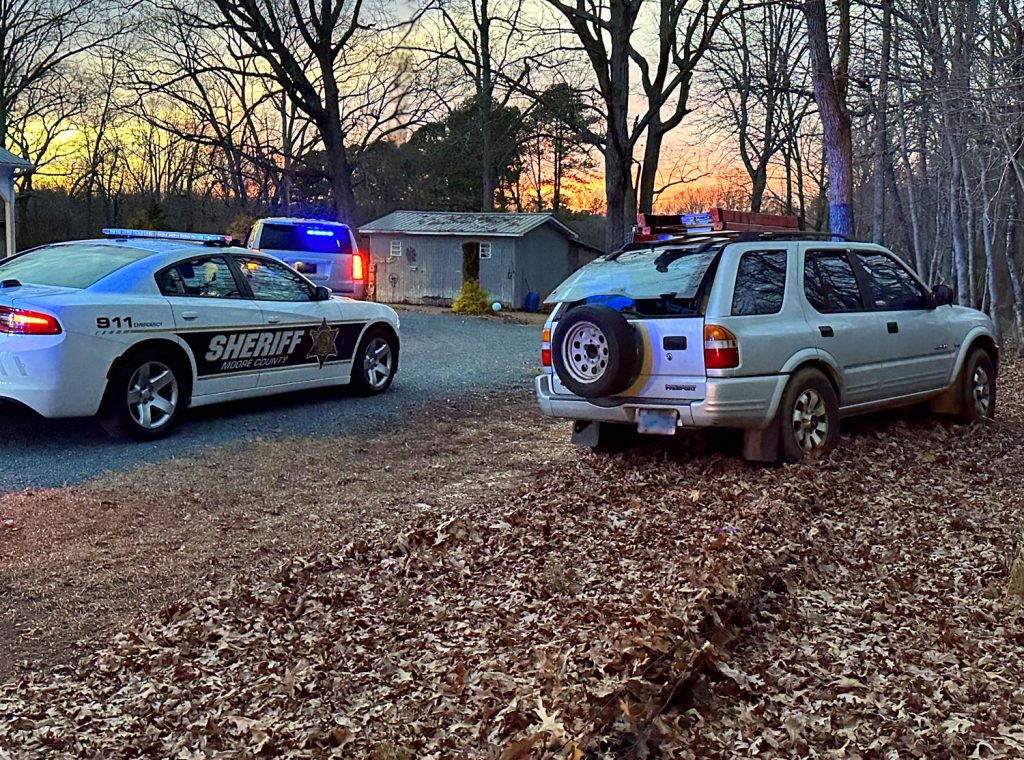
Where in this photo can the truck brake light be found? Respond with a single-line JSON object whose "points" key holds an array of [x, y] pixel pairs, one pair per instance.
{"points": [[721, 350], [19, 322]]}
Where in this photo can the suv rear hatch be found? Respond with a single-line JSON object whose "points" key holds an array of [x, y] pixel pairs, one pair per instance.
{"points": [[661, 293], [322, 252]]}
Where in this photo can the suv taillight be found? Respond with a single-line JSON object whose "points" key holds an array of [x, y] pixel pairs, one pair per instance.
{"points": [[19, 322], [721, 351], [358, 267], [545, 347]]}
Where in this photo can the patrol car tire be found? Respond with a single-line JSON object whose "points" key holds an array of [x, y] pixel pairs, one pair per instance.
{"points": [[977, 388], [378, 350], [598, 342], [808, 416], [143, 373]]}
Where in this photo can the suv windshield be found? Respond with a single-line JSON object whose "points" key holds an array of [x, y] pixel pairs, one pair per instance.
{"points": [[636, 275], [306, 238], [67, 266]]}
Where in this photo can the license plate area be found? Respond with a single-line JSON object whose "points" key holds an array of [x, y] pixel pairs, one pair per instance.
{"points": [[657, 421], [304, 268]]}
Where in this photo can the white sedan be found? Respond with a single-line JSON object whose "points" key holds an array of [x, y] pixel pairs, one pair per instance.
{"points": [[137, 327]]}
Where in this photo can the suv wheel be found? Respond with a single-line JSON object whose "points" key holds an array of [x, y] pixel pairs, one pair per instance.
{"points": [[978, 388], [808, 416], [145, 397], [595, 351]]}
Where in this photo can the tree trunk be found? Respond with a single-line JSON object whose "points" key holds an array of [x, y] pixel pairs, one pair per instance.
{"points": [[618, 152], [830, 95], [881, 127], [963, 278], [649, 170]]}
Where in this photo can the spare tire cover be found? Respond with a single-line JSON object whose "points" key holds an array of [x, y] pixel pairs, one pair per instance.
{"points": [[595, 351]]}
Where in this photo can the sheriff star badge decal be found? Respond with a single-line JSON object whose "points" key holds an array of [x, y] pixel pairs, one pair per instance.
{"points": [[323, 347]]}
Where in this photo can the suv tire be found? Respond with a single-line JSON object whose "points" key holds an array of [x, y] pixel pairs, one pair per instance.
{"points": [[595, 351], [808, 416], [977, 388]]}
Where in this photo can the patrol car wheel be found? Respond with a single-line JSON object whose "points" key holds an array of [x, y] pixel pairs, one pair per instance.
{"points": [[808, 416], [375, 363], [596, 352], [978, 388], [145, 397]]}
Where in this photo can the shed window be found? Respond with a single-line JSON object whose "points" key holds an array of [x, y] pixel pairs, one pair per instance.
{"points": [[485, 250], [396, 247]]}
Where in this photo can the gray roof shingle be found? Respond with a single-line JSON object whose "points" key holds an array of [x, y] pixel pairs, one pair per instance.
{"points": [[463, 223], [9, 159]]}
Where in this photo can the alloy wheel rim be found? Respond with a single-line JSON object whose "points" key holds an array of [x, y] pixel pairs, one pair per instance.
{"points": [[981, 391], [377, 362], [585, 352], [152, 395], [810, 420]]}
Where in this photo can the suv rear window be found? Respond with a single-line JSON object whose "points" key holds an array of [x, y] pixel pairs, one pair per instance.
{"points": [[69, 266], [306, 238], [760, 283]]}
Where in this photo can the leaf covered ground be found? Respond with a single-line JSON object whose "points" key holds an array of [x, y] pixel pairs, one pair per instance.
{"points": [[673, 602]]}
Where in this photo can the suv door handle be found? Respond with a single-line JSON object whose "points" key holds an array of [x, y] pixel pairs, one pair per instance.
{"points": [[189, 314], [826, 331], [893, 328]]}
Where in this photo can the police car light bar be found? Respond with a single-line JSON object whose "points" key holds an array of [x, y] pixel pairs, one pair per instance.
{"points": [[198, 237]]}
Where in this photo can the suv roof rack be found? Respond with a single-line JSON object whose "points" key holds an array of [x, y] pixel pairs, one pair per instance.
{"points": [[195, 237], [659, 227], [753, 237]]}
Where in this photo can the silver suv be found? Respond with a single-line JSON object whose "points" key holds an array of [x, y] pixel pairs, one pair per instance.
{"points": [[777, 335], [323, 251]]}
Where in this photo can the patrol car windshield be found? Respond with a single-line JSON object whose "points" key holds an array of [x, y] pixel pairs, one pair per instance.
{"points": [[66, 266], [635, 275], [305, 238]]}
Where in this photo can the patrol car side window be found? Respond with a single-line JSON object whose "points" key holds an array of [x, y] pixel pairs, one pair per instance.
{"points": [[830, 283], [760, 283], [273, 281], [202, 277]]}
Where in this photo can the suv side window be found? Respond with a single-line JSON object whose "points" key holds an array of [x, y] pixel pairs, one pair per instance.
{"points": [[760, 283], [893, 288], [202, 277], [830, 283], [273, 281]]}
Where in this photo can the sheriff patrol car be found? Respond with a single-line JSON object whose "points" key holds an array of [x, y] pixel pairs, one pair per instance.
{"points": [[139, 326]]}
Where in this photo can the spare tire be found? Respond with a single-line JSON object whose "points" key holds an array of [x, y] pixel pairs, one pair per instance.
{"points": [[595, 351]]}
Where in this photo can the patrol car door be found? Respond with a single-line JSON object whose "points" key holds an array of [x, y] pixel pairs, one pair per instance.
{"points": [[312, 346], [213, 315]]}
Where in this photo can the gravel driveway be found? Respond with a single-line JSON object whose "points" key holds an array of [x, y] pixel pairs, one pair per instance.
{"points": [[441, 355]]}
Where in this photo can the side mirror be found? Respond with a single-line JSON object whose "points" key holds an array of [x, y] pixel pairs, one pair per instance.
{"points": [[943, 295], [322, 293]]}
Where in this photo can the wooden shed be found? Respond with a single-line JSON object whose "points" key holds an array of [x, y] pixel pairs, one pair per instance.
{"points": [[10, 167], [417, 256]]}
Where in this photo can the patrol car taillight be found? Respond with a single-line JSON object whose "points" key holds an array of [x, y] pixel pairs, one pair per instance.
{"points": [[19, 322], [721, 351], [358, 267]]}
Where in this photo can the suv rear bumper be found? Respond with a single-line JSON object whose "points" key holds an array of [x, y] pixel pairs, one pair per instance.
{"points": [[733, 402]]}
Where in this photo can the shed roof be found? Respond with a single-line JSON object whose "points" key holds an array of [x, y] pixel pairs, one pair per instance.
{"points": [[8, 159], [463, 223]]}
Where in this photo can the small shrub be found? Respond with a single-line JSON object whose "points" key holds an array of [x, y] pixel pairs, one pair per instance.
{"points": [[472, 299]]}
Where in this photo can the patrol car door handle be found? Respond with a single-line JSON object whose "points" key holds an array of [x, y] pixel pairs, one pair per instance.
{"points": [[826, 331], [273, 320], [893, 327], [189, 314]]}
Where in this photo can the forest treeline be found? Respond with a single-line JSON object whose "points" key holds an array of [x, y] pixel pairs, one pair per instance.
{"points": [[888, 120]]}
